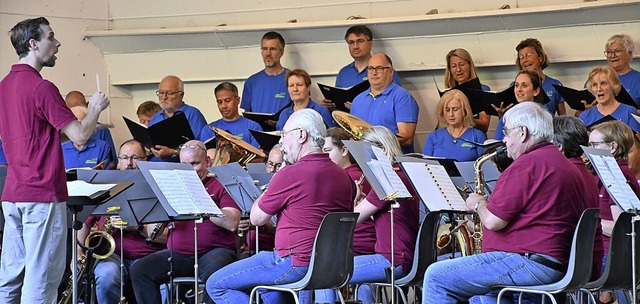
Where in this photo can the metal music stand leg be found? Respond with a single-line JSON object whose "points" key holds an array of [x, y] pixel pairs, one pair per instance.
{"points": [[394, 205], [634, 282], [75, 226], [195, 257]]}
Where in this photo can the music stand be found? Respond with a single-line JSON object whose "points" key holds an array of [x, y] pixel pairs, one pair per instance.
{"points": [[239, 184], [182, 196], [76, 204], [384, 181]]}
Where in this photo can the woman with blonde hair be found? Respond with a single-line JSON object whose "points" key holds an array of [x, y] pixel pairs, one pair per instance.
{"points": [[461, 69], [456, 136]]}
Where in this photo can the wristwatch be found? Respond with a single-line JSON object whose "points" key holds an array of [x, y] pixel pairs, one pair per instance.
{"points": [[176, 152]]}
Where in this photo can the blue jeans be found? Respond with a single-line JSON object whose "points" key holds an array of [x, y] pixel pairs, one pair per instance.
{"points": [[107, 273], [461, 279], [233, 283], [366, 269], [33, 251], [148, 273]]}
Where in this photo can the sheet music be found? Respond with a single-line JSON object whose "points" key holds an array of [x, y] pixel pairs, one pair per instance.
{"points": [[192, 183], [82, 188], [393, 181], [174, 191], [434, 186], [613, 178]]}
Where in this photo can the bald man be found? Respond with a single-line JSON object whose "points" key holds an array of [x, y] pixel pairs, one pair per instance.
{"points": [[170, 95], [75, 98], [94, 152], [387, 104]]}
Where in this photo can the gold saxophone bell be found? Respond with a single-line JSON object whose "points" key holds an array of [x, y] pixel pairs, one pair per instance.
{"points": [[231, 149], [350, 123], [101, 241], [462, 238]]}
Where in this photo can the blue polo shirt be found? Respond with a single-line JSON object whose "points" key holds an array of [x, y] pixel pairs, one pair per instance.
{"points": [[631, 82], [622, 113], [239, 128], [326, 115], [441, 144], [3, 159], [194, 117], [387, 109], [105, 135], [265, 94], [94, 152], [350, 76], [554, 96]]}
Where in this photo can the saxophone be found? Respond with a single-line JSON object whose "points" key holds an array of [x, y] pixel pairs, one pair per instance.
{"points": [[479, 189], [104, 246]]}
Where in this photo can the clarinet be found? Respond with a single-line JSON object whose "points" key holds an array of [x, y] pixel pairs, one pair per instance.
{"points": [[151, 239]]}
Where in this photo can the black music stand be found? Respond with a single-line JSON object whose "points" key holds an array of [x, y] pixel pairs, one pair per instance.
{"points": [[197, 210], [76, 204], [241, 188]]}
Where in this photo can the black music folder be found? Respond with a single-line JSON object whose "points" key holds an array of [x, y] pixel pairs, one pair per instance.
{"points": [[506, 96], [339, 96], [170, 132], [473, 84], [266, 140], [261, 118], [601, 120], [574, 97]]}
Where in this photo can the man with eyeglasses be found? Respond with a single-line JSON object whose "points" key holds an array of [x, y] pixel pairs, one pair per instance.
{"points": [[170, 95], [33, 201], [528, 220], [387, 104], [134, 247], [227, 99], [216, 237], [266, 91], [300, 203], [359, 40]]}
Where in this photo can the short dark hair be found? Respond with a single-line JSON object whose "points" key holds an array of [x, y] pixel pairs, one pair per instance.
{"points": [[226, 86], [337, 135], [24, 31], [133, 142], [359, 30], [570, 133], [537, 46], [272, 36]]}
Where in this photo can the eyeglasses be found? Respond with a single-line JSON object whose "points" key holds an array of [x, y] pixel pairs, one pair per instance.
{"points": [[181, 147], [168, 93], [594, 144], [617, 53], [127, 157], [357, 42], [283, 133], [378, 69], [505, 131], [273, 165]]}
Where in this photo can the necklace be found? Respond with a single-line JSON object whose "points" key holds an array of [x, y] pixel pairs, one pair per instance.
{"points": [[455, 137]]}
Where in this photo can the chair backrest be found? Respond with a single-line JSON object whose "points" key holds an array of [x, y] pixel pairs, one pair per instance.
{"points": [[425, 251], [331, 263], [581, 257], [616, 274]]}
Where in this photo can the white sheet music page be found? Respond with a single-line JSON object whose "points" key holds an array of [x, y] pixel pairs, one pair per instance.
{"points": [[434, 186], [174, 191], [391, 176], [612, 177], [192, 183], [82, 188]]}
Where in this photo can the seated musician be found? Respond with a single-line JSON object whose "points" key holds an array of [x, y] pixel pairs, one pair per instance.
{"points": [[266, 236], [604, 84], [370, 268], [216, 238], [616, 137], [456, 133], [227, 99], [300, 202], [107, 271], [88, 155], [541, 191], [570, 134]]}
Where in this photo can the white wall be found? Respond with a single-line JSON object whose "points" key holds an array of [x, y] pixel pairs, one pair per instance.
{"points": [[574, 47]]}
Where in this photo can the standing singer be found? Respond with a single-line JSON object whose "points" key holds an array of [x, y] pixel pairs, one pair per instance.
{"points": [[35, 192], [539, 193]]}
